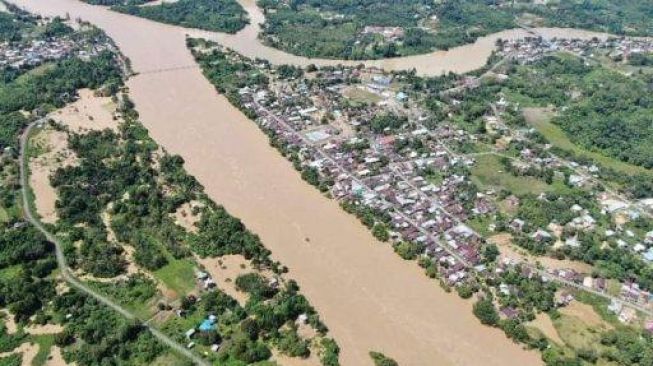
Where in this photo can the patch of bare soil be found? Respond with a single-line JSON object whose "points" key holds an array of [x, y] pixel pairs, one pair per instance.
{"points": [[9, 321], [89, 112], [511, 251], [55, 358], [185, 218], [224, 271], [27, 349], [44, 329], [284, 360], [56, 154]]}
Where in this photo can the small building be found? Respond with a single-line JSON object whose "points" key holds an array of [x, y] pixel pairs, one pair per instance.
{"points": [[207, 325]]}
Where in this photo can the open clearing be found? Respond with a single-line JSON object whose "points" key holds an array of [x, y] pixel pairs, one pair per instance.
{"points": [[544, 324], [89, 112], [55, 358], [224, 271], [490, 173], [585, 313], [52, 152]]}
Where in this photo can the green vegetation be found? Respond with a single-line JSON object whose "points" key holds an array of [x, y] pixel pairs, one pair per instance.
{"points": [[606, 111], [51, 89], [490, 173], [136, 292], [178, 275], [247, 333], [215, 15], [225, 72], [640, 59], [117, 2], [627, 17], [220, 233], [335, 29], [557, 137], [45, 343], [382, 360], [25, 289], [102, 334], [485, 312]]}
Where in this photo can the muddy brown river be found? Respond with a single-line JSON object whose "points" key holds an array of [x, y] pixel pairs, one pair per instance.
{"points": [[367, 295]]}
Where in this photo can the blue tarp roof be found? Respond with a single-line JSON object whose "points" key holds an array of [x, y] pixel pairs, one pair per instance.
{"points": [[207, 325]]}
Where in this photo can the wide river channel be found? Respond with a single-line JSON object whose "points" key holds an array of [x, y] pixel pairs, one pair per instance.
{"points": [[368, 297]]}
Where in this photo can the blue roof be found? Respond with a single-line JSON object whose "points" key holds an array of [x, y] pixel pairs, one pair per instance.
{"points": [[207, 325]]}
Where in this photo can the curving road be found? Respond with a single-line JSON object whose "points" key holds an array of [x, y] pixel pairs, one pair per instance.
{"points": [[67, 275]]}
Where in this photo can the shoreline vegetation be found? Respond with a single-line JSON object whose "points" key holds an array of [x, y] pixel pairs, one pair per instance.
{"points": [[213, 15]]}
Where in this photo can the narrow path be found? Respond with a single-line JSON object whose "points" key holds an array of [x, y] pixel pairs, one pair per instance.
{"points": [[61, 259]]}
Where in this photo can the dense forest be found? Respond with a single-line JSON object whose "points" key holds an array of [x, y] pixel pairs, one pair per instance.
{"points": [[215, 15]]}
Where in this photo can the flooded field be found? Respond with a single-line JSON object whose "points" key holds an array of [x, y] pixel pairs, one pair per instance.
{"points": [[368, 296]]}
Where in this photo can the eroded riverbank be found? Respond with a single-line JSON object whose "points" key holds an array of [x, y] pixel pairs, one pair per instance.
{"points": [[369, 297]]}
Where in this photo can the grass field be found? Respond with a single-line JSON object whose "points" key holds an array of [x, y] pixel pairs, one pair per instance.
{"points": [[490, 173], [358, 95], [540, 119], [578, 335], [178, 275], [45, 342]]}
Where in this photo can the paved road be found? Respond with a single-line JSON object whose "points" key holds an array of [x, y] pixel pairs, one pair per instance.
{"points": [[65, 270]]}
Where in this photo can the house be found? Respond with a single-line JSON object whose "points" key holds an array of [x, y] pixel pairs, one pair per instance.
{"points": [[572, 242], [541, 236], [189, 333], [510, 312], [517, 225]]}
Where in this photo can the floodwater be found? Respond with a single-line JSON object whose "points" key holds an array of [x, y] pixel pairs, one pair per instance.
{"points": [[368, 296]]}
